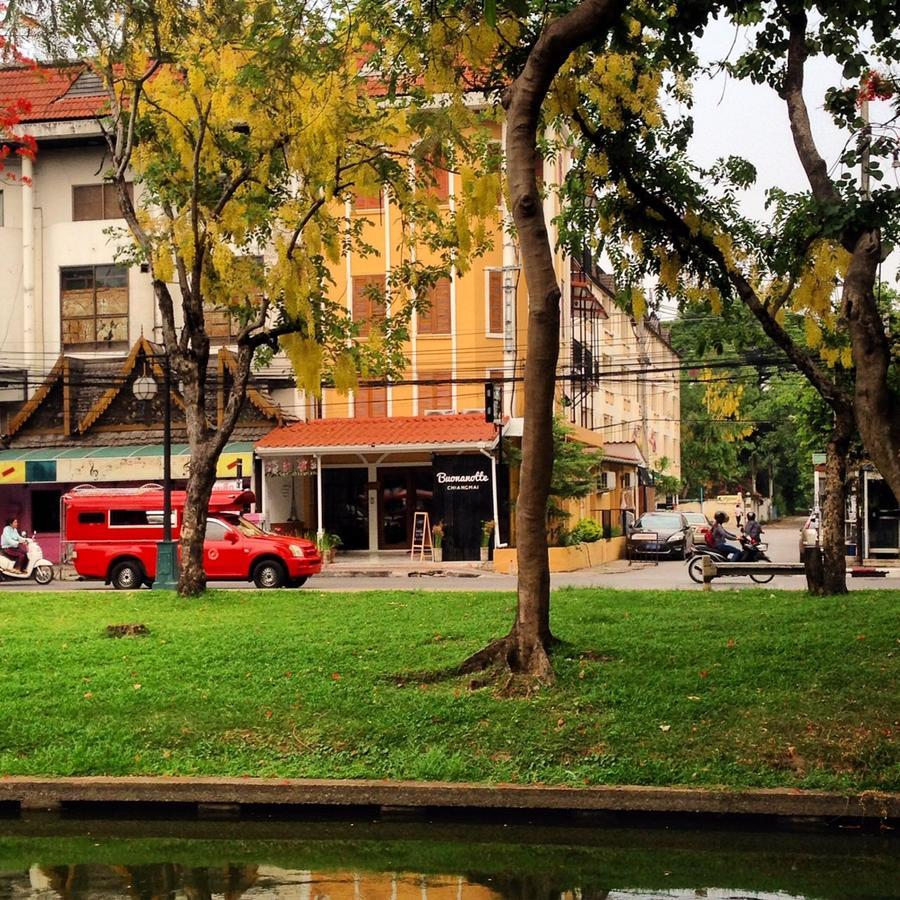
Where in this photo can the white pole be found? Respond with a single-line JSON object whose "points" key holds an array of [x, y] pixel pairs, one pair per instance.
{"points": [[28, 314], [319, 528], [493, 460]]}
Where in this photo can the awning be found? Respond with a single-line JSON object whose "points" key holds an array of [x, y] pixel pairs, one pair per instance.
{"points": [[75, 465], [397, 434]]}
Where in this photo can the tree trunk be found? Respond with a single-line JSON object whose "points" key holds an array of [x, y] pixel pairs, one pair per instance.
{"points": [[831, 527], [875, 404], [525, 648], [192, 578]]}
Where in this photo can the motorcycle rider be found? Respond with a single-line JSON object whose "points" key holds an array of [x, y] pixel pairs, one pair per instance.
{"points": [[13, 544], [752, 529], [721, 538]]}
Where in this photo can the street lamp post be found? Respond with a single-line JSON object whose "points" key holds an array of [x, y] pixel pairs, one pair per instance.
{"points": [[166, 550]]}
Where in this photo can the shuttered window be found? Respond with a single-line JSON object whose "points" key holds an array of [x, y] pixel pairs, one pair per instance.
{"points": [[97, 201], [371, 201], [495, 302], [436, 319], [370, 402], [438, 178], [438, 393], [367, 308], [94, 306]]}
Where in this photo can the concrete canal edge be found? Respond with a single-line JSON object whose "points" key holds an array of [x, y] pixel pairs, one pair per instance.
{"points": [[389, 797]]}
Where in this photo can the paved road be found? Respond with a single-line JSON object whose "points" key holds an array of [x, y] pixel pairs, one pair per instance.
{"points": [[644, 575]]}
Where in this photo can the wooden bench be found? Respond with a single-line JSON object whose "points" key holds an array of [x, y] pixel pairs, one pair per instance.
{"points": [[712, 568]]}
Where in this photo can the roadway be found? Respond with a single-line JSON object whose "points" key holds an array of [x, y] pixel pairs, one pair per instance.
{"points": [[644, 575]]}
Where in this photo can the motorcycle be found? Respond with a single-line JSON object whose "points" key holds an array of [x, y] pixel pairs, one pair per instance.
{"points": [[38, 568], [753, 552]]}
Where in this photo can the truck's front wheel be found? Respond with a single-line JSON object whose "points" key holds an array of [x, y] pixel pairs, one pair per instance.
{"points": [[269, 574]]}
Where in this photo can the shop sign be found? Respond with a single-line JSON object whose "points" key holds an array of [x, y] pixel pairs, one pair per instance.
{"points": [[12, 472], [124, 468], [462, 482], [288, 466]]}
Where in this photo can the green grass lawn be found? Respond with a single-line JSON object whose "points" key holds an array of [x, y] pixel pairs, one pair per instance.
{"points": [[749, 688]]}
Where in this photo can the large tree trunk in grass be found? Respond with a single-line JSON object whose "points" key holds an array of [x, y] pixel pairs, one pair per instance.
{"points": [[831, 527], [876, 406], [192, 577], [525, 649]]}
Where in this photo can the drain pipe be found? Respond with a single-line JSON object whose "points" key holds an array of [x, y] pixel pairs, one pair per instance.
{"points": [[28, 312], [493, 460]]}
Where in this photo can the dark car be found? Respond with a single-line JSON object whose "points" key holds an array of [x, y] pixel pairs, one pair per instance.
{"points": [[661, 534]]}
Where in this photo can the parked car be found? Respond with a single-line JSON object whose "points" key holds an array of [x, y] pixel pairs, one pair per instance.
{"points": [[699, 525], [114, 533], [661, 534], [809, 533]]}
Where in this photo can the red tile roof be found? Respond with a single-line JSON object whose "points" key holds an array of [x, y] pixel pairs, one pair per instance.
{"points": [[469, 428], [44, 89]]}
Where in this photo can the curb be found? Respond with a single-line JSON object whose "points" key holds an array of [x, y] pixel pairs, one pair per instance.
{"points": [[54, 793]]}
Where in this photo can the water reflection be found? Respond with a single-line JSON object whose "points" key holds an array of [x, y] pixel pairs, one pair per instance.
{"points": [[101, 861]]}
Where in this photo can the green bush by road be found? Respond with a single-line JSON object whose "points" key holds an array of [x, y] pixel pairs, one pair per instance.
{"points": [[749, 688]]}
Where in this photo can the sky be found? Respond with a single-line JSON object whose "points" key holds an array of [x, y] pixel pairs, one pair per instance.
{"points": [[736, 117]]}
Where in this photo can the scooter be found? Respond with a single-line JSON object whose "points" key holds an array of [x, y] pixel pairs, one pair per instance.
{"points": [[38, 568], [752, 553]]}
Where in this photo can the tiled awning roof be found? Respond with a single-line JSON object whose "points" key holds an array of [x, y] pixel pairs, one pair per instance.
{"points": [[447, 432], [624, 452]]}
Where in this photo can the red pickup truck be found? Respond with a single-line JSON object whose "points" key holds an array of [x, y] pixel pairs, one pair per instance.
{"points": [[114, 534]]}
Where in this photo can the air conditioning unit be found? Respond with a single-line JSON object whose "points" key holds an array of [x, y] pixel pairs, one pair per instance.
{"points": [[608, 480], [439, 412], [471, 412]]}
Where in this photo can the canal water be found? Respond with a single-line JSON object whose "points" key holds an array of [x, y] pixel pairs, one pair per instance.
{"points": [[98, 859]]}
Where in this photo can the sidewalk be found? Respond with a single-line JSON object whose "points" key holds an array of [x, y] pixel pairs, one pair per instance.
{"points": [[824, 807]]}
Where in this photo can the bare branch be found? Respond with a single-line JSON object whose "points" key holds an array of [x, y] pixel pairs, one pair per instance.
{"points": [[816, 170]]}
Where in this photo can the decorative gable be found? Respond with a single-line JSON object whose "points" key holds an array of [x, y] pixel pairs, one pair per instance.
{"points": [[118, 408], [49, 411]]}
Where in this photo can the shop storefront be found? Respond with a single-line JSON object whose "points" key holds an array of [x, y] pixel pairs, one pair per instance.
{"points": [[364, 480], [86, 425]]}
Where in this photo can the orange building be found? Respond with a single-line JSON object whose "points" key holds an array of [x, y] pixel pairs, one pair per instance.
{"points": [[420, 443]]}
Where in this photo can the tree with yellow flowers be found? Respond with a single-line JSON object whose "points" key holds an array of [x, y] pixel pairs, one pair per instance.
{"points": [[661, 214], [249, 126]]}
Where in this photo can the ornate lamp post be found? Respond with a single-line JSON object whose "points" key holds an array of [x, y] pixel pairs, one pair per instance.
{"points": [[145, 388]]}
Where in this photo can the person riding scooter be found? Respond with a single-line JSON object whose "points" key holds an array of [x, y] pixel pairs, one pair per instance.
{"points": [[752, 529], [13, 545], [751, 537], [721, 538]]}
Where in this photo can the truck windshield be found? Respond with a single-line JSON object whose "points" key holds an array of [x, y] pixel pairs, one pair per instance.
{"points": [[247, 528]]}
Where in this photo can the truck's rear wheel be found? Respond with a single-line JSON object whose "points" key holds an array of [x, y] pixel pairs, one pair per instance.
{"points": [[127, 575], [269, 574]]}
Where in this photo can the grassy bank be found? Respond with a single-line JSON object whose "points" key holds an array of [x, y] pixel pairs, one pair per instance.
{"points": [[758, 688]]}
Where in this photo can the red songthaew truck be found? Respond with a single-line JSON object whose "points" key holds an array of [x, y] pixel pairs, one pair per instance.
{"points": [[114, 534]]}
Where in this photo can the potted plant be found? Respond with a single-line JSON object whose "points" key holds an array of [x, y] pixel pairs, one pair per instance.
{"points": [[487, 532], [437, 541], [328, 544]]}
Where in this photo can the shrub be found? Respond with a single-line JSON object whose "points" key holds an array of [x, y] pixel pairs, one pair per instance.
{"points": [[586, 532]]}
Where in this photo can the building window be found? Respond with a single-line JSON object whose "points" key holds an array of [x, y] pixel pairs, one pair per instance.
{"points": [[436, 319], [94, 306], [437, 394], [368, 202], [495, 301], [370, 402], [221, 323], [437, 178], [97, 201], [368, 301]]}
